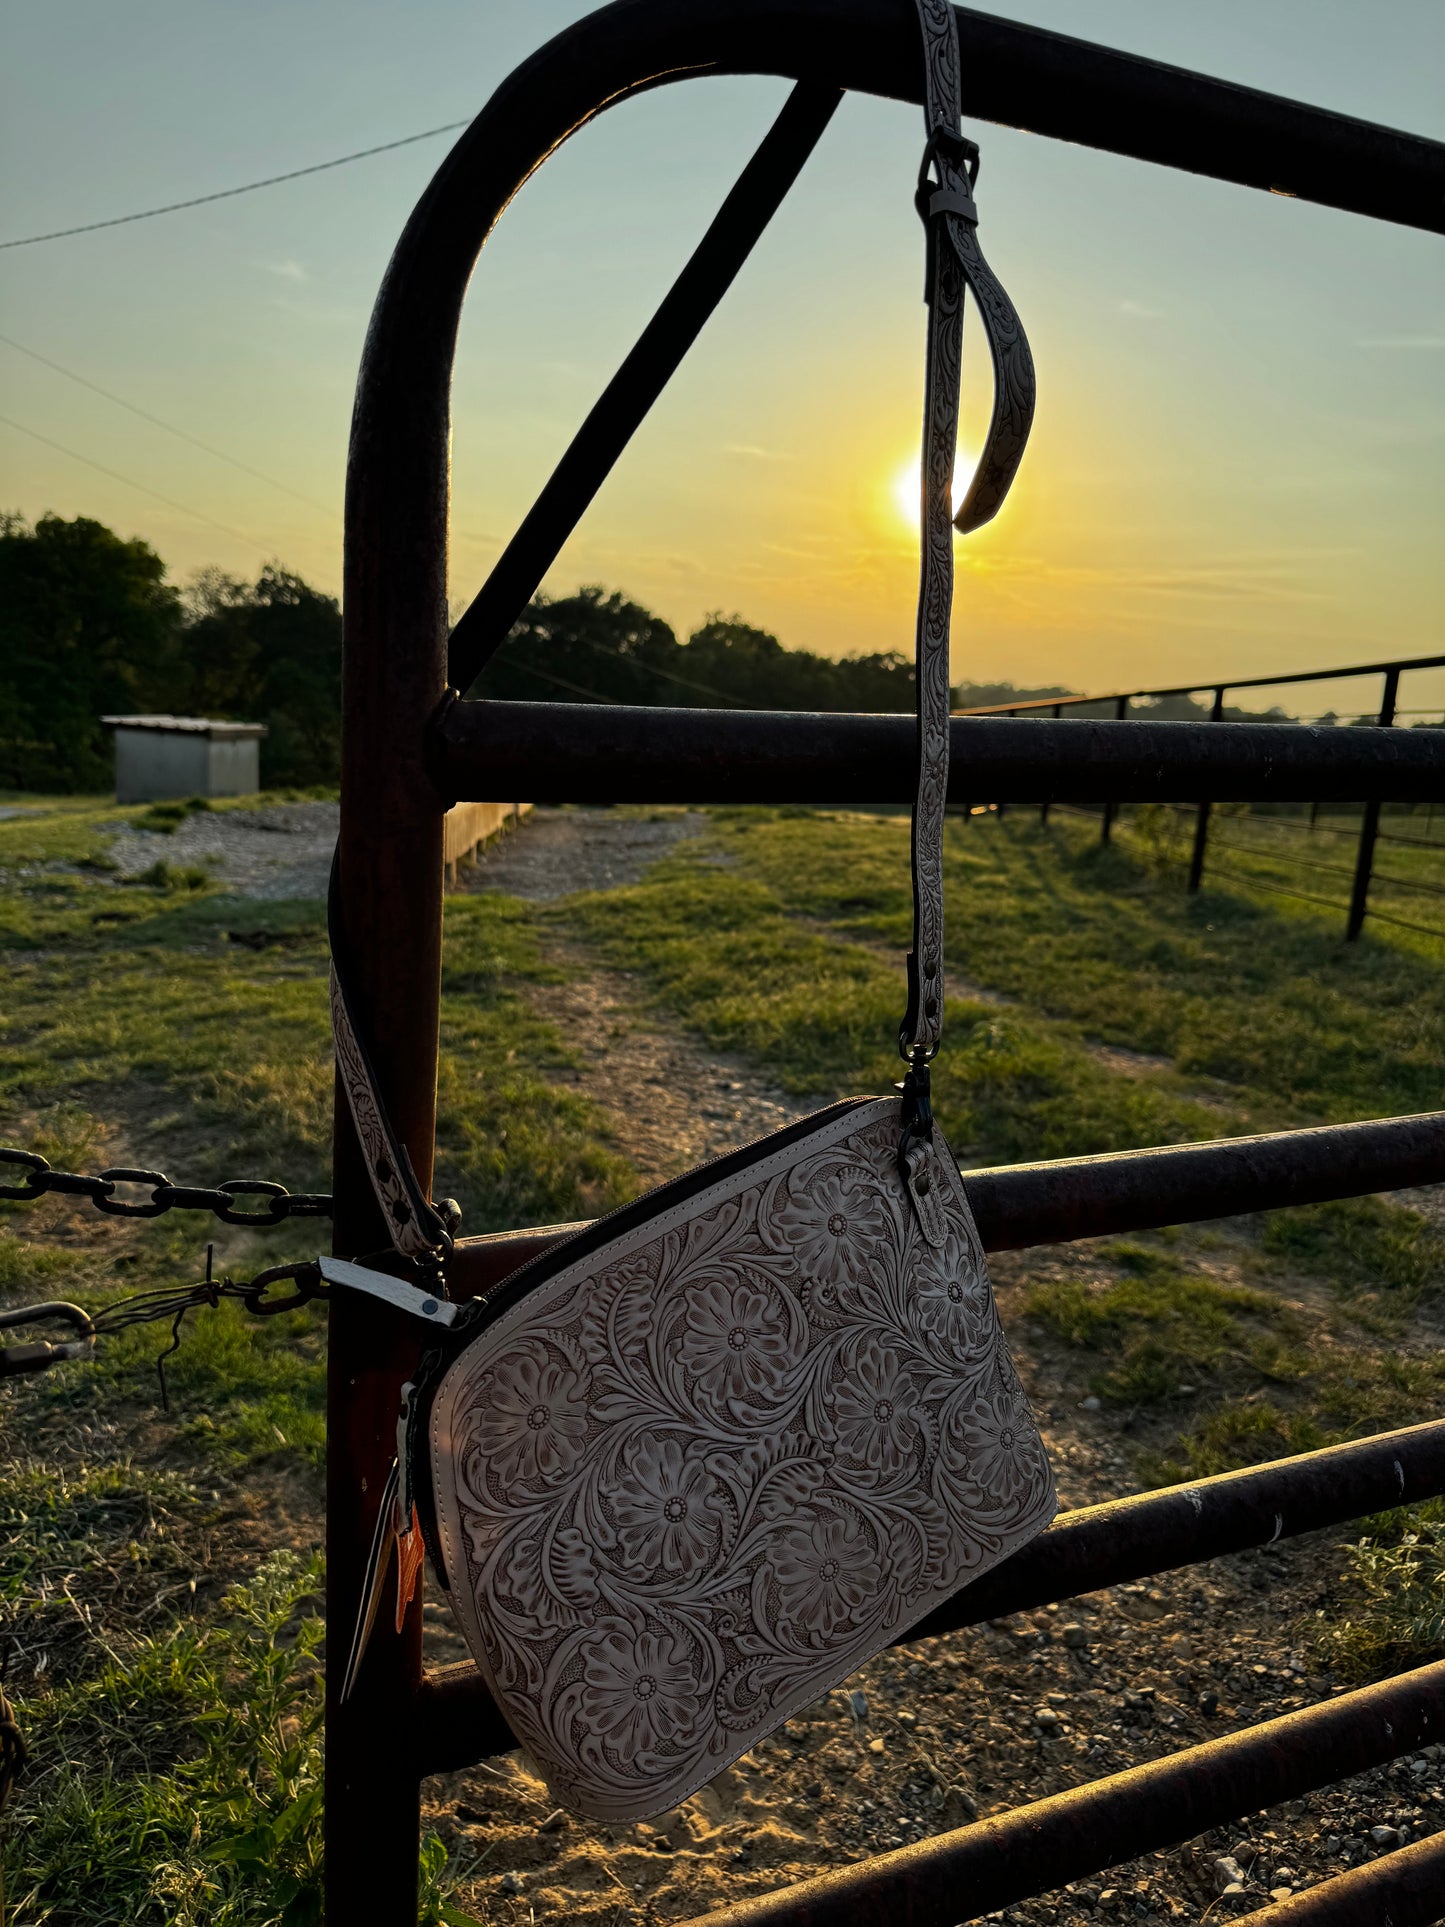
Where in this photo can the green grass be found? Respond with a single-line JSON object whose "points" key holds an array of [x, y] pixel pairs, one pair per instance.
{"points": [[819, 1013], [1251, 1377], [1275, 857], [1161, 1331], [781, 937], [179, 1785], [1297, 1025], [1397, 1576], [1381, 1257], [167, 1023], [196, 1031]]}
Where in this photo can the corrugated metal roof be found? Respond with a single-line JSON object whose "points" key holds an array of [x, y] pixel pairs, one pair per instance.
{"points": [[185, 725]]}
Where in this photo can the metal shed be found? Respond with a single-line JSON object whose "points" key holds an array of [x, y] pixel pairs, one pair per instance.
{"points": [[160, 756]]}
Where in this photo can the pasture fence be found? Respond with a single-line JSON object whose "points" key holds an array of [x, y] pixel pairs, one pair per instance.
{"points": [[1362, 876]]}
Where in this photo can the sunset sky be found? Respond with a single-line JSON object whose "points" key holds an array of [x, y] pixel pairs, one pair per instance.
{"points": [[1239, 459]]}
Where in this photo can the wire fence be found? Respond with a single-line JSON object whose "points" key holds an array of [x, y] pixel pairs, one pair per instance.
{"points": [[1261, 863], [1273, 851]]}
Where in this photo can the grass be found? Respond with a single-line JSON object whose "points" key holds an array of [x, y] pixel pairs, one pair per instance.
{"points": [[725, 949], [780, 937], [208, 1812], [167, 1024], [1397, 1574]]}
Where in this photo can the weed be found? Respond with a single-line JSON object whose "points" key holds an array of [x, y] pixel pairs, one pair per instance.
{"points": [[164, 875], [1401, 1621]]}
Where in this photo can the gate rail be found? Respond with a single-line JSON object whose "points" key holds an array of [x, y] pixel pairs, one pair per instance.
{"points": [[411, 748]]}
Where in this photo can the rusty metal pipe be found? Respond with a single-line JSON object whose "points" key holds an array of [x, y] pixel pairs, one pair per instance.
{"points": [[618, 753], [1404, 1889], [1021, 1205], [1104, 1545], [1182, 1525], [962, 1876], [614, 418], [1018, 1206]]}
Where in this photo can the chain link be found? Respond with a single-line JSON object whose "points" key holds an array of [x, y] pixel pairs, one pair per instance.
{"points": [[221, 1200]]}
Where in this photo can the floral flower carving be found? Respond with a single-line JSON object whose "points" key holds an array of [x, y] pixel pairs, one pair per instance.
{"points": [[826, 1571], [737, 1339], [639, 1688], [532, 1421], [1000, 1448], [876, 1408], [667, 1512], [834, 1220], [950, 1302]]}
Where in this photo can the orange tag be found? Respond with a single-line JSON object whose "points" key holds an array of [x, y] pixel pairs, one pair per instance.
{"points": [[410, 1557]]}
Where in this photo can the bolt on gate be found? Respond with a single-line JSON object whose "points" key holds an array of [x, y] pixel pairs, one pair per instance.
{"points": [[413, 746]]}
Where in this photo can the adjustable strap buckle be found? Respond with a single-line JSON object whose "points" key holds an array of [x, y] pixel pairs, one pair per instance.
{"points": [[946, 177]]}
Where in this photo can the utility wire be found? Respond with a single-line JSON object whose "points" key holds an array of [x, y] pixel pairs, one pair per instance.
{"points": [[228, 193], [650, 669], [170, 428], [116, 476], [561, 682]]}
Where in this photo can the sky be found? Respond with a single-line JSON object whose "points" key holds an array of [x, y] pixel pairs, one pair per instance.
{"points": [[1238, 462]]}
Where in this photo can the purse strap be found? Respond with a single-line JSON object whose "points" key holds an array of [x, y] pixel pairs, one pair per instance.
{"points": [[419, 1229], [946, 205]]}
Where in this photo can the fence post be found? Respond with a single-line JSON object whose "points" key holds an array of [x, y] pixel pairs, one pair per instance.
{"points": [[1370, 826], [1044, 806], [1201, 820], [1111, 810]]}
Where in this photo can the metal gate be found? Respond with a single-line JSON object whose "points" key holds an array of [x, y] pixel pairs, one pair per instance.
{"points": [[412, 747]]}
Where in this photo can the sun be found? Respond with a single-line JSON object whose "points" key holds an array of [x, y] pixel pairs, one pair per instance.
{"points": [[905, 489]]}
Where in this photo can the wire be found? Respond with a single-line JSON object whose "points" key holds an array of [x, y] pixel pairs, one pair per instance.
{"points": [[170, 428], [228, 193], [560, 682], [650, 669], [116, 476]]}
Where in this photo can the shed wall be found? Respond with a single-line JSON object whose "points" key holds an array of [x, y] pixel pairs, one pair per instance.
{"points": [[150, 764], [235, 766]]}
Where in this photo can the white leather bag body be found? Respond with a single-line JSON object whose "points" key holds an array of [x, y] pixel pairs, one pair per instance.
{"points": [[705, 1459]]}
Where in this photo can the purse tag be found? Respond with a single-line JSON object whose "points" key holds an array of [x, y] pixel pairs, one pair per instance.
{"points": [[925, 1189]]}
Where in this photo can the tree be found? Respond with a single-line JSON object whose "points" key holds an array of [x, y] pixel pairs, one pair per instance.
{"points": [[269, 652], [88, 626]]}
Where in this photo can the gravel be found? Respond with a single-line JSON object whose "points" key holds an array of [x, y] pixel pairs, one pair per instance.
{"points": [[269, 854]]}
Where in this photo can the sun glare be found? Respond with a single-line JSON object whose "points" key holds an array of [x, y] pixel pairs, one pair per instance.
{"points": [[906, 489]]}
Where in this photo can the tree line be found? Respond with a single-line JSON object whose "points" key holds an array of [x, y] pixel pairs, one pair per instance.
{"points": [[91, 626]]}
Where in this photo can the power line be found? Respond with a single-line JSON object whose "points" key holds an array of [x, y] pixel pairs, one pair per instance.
{"points": [[228, 193], [561, 682], [116, 476], [170, 427]]}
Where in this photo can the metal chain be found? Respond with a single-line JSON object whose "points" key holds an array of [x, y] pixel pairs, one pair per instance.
{"points": [[280, 1204]]}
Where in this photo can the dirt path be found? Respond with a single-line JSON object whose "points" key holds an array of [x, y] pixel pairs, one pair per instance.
{"points": [[553, 852], [971, 1724], [922, 1739], [671, 1103]]}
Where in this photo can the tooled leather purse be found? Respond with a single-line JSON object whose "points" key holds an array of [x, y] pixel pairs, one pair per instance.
{"points": [[700, 1460]]}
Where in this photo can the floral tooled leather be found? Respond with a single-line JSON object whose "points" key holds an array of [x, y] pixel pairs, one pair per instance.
{"points": [[691, 1480]]}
